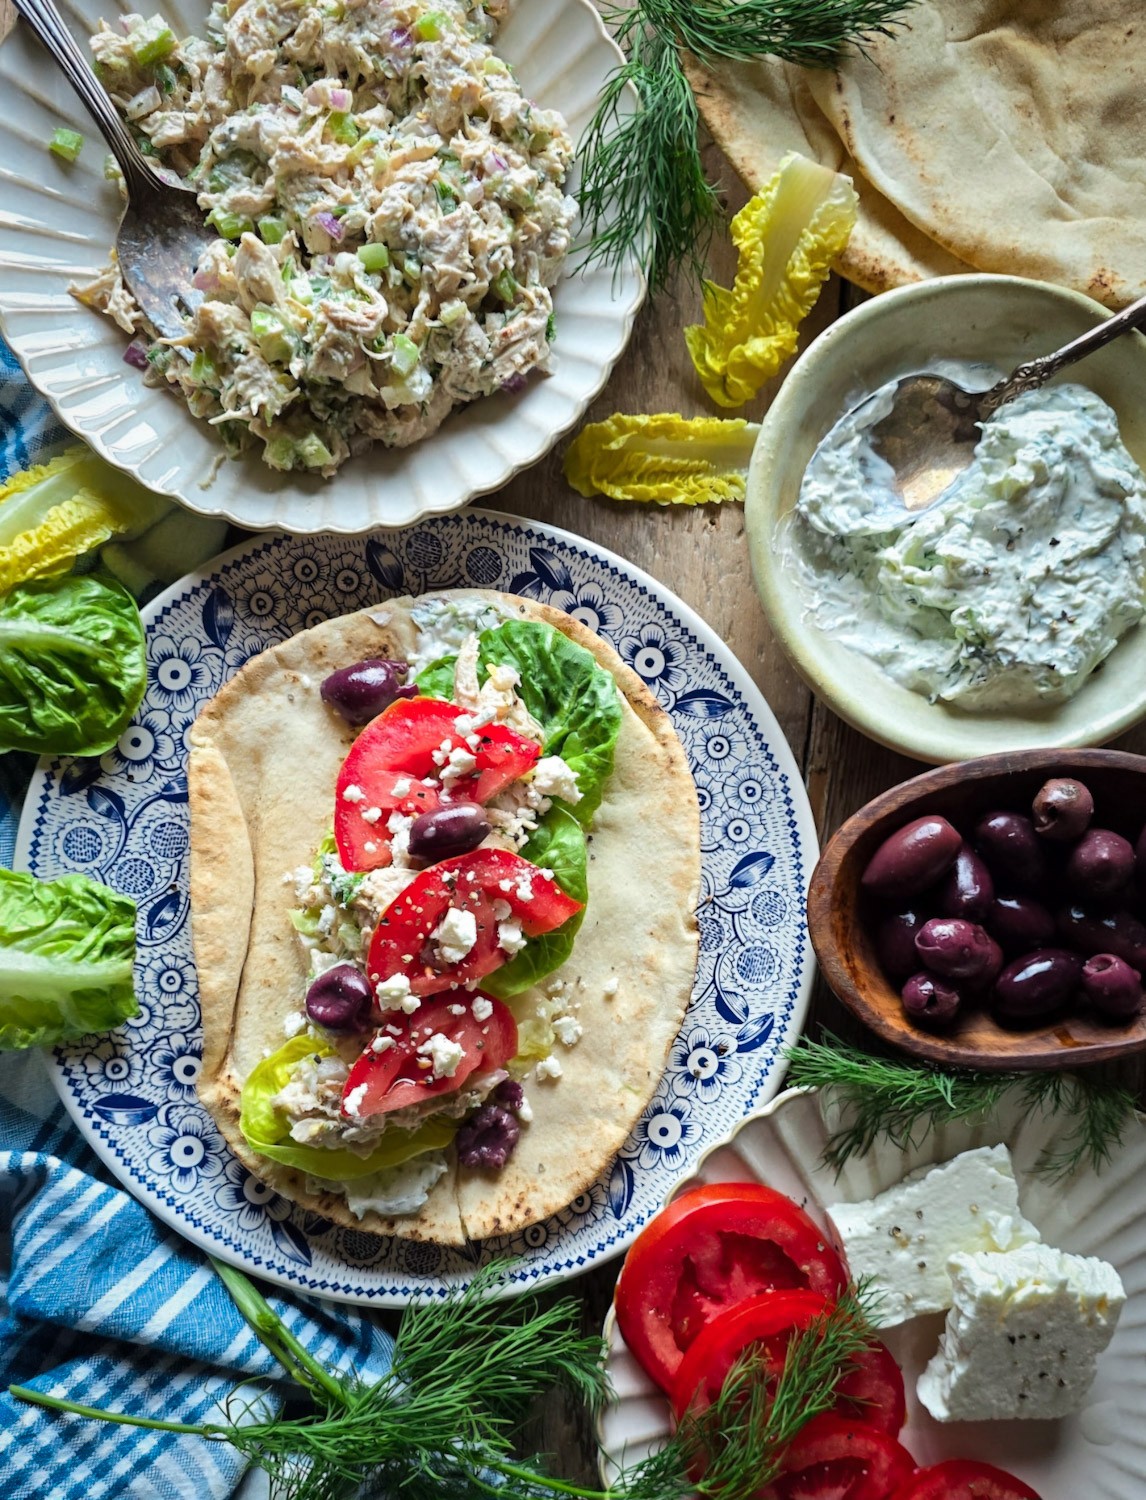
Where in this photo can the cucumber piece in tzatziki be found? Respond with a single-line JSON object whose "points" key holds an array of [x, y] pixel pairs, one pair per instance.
{"points": [[1009, 590]]}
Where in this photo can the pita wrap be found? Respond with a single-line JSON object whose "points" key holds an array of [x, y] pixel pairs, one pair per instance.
{"points": [[265, 756], [1010, 132], [758, 111]]}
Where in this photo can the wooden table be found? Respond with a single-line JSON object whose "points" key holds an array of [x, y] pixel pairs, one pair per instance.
{"points": [[701, 554]]}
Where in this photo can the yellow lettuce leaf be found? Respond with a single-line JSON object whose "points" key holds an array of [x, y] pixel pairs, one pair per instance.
{"points": [[53, 513], [669, 459], [787, 238]]}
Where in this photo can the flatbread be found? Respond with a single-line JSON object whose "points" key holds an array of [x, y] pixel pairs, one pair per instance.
{"points": [[758, 111], [1011, 133], [265, 756]]}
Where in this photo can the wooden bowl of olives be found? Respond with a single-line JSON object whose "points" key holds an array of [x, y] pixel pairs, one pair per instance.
{"points": [[992, 913]]}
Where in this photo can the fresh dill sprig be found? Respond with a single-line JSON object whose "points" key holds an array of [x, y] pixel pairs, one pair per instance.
{"points": [[644, 193], [441, 1422], [904, 1101]]}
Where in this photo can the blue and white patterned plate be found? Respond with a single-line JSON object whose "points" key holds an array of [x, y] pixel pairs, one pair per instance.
{"points": [[123, 819]]}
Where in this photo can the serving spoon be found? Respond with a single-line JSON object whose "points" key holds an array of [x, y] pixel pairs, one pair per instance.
{"points": [[930, 434], [162, 233]]}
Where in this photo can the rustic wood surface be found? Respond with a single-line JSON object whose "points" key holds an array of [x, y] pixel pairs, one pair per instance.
{"points": [[701, 554]]}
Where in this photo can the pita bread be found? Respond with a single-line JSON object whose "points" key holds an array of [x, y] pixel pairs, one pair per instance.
{"points": [[758, 111], [265, 756], [1010, 132]]}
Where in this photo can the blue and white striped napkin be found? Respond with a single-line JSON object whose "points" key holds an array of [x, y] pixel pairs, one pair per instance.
{"points": [[99, 1303]]}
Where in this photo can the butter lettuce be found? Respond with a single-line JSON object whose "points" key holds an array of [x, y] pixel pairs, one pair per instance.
{"points": [[67, 948], [558, 844], [666, 459], [72, 667], [787, 237], [267, 1131]]}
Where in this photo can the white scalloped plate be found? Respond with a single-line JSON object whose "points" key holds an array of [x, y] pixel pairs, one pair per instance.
{"points": [[57, 222], [1097, 1454]]}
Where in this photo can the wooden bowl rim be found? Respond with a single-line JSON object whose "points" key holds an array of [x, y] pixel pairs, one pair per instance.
{"points": [[932, 1046]]}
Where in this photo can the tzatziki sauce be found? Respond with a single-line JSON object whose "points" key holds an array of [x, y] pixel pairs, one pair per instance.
{"points": [[1009, 590]]}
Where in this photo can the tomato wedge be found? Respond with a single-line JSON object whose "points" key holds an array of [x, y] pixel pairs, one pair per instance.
{"points": [[710, 1248], [830, 1459], [871, 1393], [963, 1479], [391, 766], [401, 1075], [472, 883]]}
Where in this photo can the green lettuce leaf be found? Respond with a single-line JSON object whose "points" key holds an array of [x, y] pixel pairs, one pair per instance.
{"points": [[562, 685], [268, 1132], [67, 948], [72, 667], [558, 844]]}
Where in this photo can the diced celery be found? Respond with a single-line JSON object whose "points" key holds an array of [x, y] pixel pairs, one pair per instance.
{"points": [[365, 142], [301, 289], [374, 257], [111, 169], [314, 452], [151, 41], [281, 453], [446, 196], [231, 226], [494, 64], [550, 328], [431, 26], [159, 356], [410, 268], [66, 143], [403, 355], [452, 312], [381, 163], [504, 285], [342, 127], [203, 371], [340, 210], [270, 335], [165, 79], [272, 231]]}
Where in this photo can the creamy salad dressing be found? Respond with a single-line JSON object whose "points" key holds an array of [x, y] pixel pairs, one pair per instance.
{"points": [[1011, 589]]}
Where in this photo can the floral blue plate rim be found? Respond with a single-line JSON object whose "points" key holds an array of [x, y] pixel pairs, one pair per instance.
{"points": [[123, 818]]}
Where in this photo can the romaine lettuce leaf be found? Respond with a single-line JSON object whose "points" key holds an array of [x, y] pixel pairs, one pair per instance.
{"points": [[668, 459], [267, 1131], [72, 668], [558, 844], [67, 948]]}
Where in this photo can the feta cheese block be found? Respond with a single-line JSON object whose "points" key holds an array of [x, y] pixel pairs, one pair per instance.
{"points": [[902, 1240], [1023, 1335]]}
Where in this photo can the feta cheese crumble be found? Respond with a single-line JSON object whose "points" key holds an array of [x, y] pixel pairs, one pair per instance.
{"points": [[548, 1067], [482, 1008], [510, 937], [444, 1054], [353, 794], [352, 1104], [552, 777], [394, 994], [567, 1029], [455, 935]]}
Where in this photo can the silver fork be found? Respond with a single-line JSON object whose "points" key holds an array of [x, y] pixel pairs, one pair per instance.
{"points": [[162, 233]]}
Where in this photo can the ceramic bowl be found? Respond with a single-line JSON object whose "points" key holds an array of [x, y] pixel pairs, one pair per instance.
{"points": [[1100, 1451], [842, 922], [1001, 319], [58, 222]]}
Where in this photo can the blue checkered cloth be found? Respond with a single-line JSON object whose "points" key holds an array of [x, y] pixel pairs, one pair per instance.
{"points": [[99, 1303]]}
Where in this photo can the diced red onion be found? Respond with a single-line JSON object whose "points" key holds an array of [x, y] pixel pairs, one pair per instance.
{"points": [[493, 161], [144, 103], [205, 281], [514, 384], [331, 226], [316, 93], [135, 354], [400, 39], [341, 99]]}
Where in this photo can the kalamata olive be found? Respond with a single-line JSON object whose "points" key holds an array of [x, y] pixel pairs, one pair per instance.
{"points": [[930, 1001], [509, 1094], [895, 944], [488, 1139], [913, 858], [1036, 985], [1019, 923], [957, 949], [1101, 865], [1062, 809], [360, 692], [1116, 932], [1140, 857], [1112, 986], [454, 828], [1009, 844], [340, 999], [967, 890]]}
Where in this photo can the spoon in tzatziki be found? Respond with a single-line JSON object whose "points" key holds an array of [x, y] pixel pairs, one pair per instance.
{"points": [[931, 432]]}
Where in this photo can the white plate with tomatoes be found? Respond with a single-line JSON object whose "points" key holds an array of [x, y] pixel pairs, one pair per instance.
{"points": [[737, 1239], [123, 819]]}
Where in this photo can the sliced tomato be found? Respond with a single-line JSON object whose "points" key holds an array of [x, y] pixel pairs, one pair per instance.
{"points": [[391, 764], [710, 1248], [401, 1075], [871, 1393], [963, 1479], [832, 1459], [472, 882]]}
